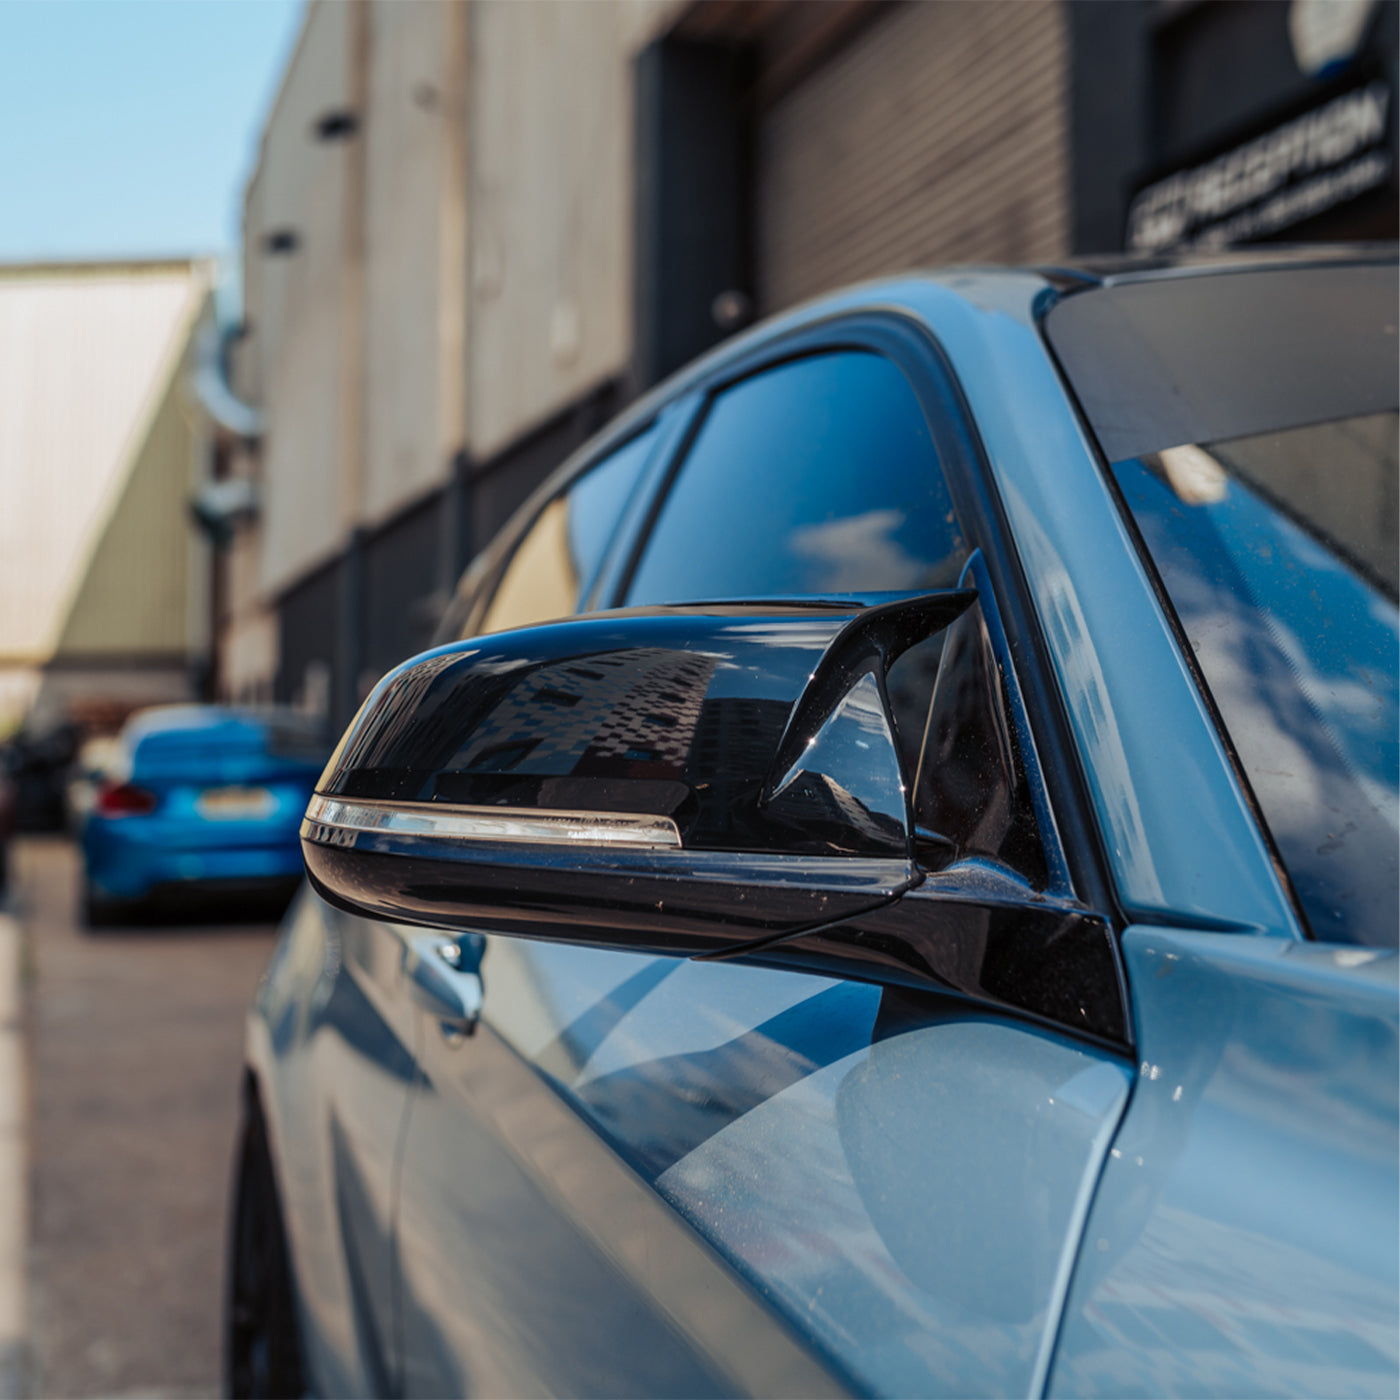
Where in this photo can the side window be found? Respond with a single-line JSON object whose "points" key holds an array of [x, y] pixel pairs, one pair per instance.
{"points": [[817, 476], [562, 550]]}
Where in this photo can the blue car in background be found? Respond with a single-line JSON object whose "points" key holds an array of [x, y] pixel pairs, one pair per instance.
{"points": [[201, 799]]}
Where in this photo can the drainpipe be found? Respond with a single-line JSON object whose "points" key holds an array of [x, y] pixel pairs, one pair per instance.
{"points": [[211, 386]]}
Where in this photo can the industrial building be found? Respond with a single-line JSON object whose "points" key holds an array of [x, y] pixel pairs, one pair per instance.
{"points": [[476, 229]]}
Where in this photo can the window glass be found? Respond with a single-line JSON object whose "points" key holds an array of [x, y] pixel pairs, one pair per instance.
{"points": [[1159, 363], [562, 550], [816, 477], [1279, 552]]}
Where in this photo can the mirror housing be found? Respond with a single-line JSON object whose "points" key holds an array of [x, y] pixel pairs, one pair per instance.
{"points": [[671, 779], [711, 780]]}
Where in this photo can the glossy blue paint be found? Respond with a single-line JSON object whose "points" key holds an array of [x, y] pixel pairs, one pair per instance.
{"points": [[128, 856], [1243, 1238], [532, 1261], [331, 1046], [901, 1177]]}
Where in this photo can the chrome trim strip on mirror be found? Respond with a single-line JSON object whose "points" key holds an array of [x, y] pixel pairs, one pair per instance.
{"points": [[331, 819]]}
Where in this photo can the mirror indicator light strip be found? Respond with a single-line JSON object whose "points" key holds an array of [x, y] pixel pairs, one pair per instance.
{"points": [[461, 823]]}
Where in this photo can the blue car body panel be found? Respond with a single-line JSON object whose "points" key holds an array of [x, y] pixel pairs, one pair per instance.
{"points": [[917, 1246], [651, 1176], [128, 856], [1243, 1240], [333, 1040]]}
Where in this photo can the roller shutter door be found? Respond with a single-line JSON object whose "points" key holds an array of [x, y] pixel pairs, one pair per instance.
{"points": [[939, 134]]}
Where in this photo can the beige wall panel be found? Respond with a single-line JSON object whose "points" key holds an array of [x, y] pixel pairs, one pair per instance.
{"points": [[405, 453], [241, 603], [247, 640], [242, 572], [939, 135], [294, 305], [84, 358], [550, 209], [133, 593]]}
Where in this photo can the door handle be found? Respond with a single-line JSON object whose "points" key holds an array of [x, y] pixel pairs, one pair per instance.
{"points": [[445, 981]]}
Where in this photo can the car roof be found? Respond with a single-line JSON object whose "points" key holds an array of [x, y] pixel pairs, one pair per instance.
{"points": [[1106, 269]]}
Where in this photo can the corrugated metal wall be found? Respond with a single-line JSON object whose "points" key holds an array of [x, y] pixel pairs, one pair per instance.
{"points": [[132, 594], [940, 134], [85, 356]]}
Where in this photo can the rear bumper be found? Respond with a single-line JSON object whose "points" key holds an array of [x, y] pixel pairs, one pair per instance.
{"points": [[272, 893], [130, 857]]}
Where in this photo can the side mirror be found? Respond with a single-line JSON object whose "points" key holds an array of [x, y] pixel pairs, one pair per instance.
{"points": [[719, 781], [678, 780]]}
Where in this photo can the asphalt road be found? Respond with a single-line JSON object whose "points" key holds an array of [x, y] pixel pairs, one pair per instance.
{"points": [[134, 1043]]}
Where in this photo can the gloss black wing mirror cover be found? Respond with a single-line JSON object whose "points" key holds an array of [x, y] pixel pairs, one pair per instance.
{"points": [[671, 779], [707, 780]]}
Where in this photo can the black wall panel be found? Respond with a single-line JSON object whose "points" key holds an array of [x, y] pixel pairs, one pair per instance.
{"points": [[401, 586], [307, 639]]}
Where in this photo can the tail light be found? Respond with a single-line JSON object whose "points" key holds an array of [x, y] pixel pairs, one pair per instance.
{"points": [[124, 800]]}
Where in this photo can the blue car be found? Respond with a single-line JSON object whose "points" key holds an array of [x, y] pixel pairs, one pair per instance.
{"points": [[201, 800], [886, 885]]}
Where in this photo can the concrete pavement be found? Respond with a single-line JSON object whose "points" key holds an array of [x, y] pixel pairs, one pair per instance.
{"points": [[134, 1049], [14, 1194]]}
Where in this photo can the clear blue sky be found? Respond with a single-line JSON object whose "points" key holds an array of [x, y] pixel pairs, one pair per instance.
{"points": [[129, 127]]}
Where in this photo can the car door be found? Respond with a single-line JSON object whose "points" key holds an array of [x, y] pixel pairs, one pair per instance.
{"points": [[647, 1176], [340, 1032], [503, 1291], [349, 996]]}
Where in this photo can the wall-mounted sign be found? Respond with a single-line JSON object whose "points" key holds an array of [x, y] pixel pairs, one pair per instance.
{"points": [[1300, 169]]}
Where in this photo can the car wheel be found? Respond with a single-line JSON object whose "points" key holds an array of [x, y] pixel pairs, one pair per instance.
{"points": [[262, 1353]]}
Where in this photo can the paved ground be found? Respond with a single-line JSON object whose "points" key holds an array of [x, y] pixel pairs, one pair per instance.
{"points": [[134, 1052]]}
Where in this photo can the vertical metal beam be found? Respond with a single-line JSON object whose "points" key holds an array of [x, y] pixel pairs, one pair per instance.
{"points": [[350, 632], [455, 535], [349, 640]]}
